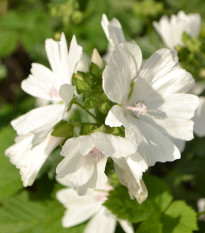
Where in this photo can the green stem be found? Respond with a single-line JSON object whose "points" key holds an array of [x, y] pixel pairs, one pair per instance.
{"points": [[92, 115]]}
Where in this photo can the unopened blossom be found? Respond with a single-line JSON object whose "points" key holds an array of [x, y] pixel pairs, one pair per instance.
{"points": [[171, 30], [90, 207], [151, 100], [85, 159], [30, 160]]}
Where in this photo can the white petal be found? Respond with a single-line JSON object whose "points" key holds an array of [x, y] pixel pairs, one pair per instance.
{"points": [[115, 117], [97, 180], [74, 56], [83, 64], [126, 226], [199, 118], [152, 145], [76, 169], [161, 75], [41, 82], [29, 160], [179, 143], [113, 146], [122, 68], [79, 208], [102, 222], [63, 63], [39, 119], [130, 171], [66, 92], [172, 116], [113, 30], [197, 89]]}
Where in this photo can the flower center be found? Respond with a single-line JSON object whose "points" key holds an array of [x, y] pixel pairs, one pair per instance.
{"points": [[95, 154], [139, 109], [53, 93]]}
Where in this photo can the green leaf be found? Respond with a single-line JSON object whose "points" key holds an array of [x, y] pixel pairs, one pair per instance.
{"points": [[96, 71], [80, 83], [120, 204], [151, 225], [179, 218], [63, 129], [10, 181], [24, 213]]}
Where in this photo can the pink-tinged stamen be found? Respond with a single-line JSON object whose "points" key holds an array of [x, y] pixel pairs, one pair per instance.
{"points": [[139, 109], [53, 93]]}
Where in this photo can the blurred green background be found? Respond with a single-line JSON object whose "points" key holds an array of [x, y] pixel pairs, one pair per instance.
{"points": [[24, 26]]}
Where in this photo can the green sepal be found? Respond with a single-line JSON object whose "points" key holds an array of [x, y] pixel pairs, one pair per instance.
{"points": [[63, 129]]}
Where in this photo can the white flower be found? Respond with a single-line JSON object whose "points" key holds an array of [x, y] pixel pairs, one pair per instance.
{"points": [[172, 30], [30, 160], [151, 100], [201, 208], [53, 86], [82, 208], [85, 159]]}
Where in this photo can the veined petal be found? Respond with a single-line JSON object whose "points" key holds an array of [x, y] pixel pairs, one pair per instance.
{"points": [[179, 143], [199, 118], [113, 30], [117, 75], [97, 180], [79, 208], [153, 146], [74, 56], [130, 171], [29, 160], [116, 117], [39, 119], [161, 75], [40, 83], [66, 92], [113, 146], [76, 169], [63, 63], [173, 116], [126, 226], [102, 222]]}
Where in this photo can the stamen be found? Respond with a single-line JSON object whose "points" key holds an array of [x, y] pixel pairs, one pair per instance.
{"points": [[139, 108], [53, 93]]}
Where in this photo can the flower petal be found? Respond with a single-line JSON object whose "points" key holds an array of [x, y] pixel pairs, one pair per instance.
{"points": [[121, 69], [79, 208], [102, 222], [161, 75], [39, 119], [40, 82], [75, 169], [172, 117], [113, 146], [199, 118], [152, 145], [62, 62], [29, 160], [126, 226], [113, 30], [130, 171]]}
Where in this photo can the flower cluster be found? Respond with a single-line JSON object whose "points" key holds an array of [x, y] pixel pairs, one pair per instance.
{"points": [[131, 111]]}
